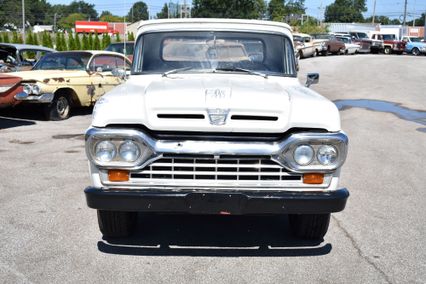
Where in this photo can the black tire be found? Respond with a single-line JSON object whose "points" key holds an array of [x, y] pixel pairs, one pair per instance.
{"points": [[59, 108], [115, 224], [415, 51], [301, 54], [387, 50], [346, 52], [309, 226]]}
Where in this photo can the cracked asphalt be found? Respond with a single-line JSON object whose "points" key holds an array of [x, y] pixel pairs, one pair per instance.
{"points": [[49, 235]]}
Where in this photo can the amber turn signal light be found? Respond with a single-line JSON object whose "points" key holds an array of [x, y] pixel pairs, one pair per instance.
{"points": [[313, 178], [118, 175]]}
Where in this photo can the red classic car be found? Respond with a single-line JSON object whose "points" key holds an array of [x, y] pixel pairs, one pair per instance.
{"points": [[9, 87]]}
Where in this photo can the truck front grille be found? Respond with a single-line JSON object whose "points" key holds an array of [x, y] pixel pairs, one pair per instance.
{"points": [[220, 168]]}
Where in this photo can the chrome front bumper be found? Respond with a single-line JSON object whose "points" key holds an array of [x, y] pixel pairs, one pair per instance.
{"points": [[42, 98]]}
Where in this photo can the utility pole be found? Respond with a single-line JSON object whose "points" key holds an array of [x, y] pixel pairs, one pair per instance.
{"points": [[374, 12], [23, 20], [405, 13]]}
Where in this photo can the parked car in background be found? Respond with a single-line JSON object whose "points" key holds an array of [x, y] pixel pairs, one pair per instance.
{"points": [[124, 48], [350, 48], [20, 57], [9, 87], [331, 44], [63, 80], [367, 44], [414, 45], [304, 45], [391, 44]]}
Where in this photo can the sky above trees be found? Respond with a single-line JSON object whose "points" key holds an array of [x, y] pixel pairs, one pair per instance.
{"points": [[390, 8]]}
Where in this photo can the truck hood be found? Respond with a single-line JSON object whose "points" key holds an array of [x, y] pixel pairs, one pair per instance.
{"points": [[47, 76], [215, 103]]}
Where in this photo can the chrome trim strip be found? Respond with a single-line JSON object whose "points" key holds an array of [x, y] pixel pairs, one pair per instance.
{"points": [[280, 151]]}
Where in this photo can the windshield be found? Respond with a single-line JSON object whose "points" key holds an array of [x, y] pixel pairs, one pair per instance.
{"points": [[362, 35], [64, 61], [344, 39], [415, 39], [119, 47], [205, 51], [389, 37]]}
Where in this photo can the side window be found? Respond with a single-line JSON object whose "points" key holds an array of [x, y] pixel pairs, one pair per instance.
{"points": [[28, 57], [120, 63], [103, 63]]}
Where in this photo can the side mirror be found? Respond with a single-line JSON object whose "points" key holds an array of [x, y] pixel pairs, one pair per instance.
{"points": [[312, 78], [119, 73]]}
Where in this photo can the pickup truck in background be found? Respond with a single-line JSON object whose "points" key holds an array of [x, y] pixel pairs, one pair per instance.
{"points": [[391, 43]]}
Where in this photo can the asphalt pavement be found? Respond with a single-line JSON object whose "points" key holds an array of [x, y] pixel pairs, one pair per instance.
{"points": [[49, 235]]}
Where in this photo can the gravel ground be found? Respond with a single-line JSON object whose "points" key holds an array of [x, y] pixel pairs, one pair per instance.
{"points": [[49, 235]]}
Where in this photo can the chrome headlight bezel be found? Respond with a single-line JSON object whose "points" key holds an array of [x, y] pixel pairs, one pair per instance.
{"points": [[315, 140], [31, 89], [145, 151]]}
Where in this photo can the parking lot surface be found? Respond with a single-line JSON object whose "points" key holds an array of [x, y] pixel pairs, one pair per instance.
{"points": [[50, 236]]}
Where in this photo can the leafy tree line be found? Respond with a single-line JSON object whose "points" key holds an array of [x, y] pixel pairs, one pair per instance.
{"points": [[61, 42], [64, 16]]}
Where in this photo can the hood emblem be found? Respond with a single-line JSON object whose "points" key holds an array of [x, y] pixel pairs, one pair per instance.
{"points": [[218, 116]]}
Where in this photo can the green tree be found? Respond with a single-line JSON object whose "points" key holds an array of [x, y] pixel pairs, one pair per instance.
{"points": [[69, 21], [77, 42], [44, 39], [85, 42], [243, 9], [131, 37], [106, 40], [71, 42], [83, 8], [15, 37], [29, 39], [107, 16], [6, 38], [417, 22], [117, 37], [96, 42], [90, 41], [35, 39], [280, 10], [345, 11], [276, 10], [164, 13], [139, 11], [49, 40]]}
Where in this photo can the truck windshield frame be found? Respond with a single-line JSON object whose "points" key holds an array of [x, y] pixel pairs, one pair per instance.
{"points": [[207, 51]]}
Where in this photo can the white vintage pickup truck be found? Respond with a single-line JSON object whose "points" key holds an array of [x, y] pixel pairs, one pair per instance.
{"points": [[213, 120]]}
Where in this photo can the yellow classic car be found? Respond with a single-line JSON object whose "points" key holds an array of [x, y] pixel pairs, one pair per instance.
{"points": [[64, 80]]}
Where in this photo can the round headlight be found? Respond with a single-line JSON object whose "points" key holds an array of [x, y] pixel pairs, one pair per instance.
{"points": [[27, 89], [129, 151], [36, 89], [303, 155], [105, 151], [327, 155]]}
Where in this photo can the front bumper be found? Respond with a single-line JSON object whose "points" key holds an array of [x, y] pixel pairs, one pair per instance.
{"points": [[42, 98], [236, 203]]}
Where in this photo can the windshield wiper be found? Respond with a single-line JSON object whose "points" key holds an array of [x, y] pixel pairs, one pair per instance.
{"points": [[177, 70], [238, 69]]}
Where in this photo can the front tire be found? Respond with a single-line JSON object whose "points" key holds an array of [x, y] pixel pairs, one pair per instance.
{"points": [[309, 226], [58, 109], [415, 51], [387, 50], [115, 224]]}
